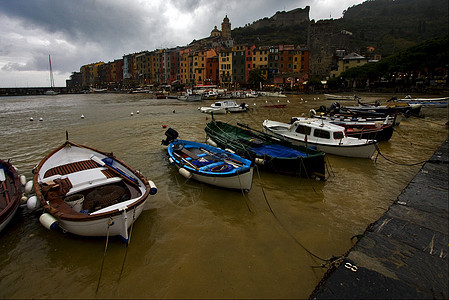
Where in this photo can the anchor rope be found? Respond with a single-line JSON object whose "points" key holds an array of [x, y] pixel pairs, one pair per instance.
{"points": [[104, 254], [286, 230]]}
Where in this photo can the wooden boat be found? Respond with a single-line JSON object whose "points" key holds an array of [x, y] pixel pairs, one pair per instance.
{"points": [[269, 153], [88, 192], [10, 193], [230, 106], [209, 164], [325, 136], [276, 106]]}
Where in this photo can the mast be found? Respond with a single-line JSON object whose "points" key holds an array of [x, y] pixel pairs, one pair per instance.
{"points": [[52, 81]]}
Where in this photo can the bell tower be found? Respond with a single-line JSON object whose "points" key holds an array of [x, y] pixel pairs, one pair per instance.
{"points": [[226, 28]]}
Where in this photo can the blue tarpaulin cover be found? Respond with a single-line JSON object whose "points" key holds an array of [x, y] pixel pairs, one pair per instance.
{"points": [[278, 151]]}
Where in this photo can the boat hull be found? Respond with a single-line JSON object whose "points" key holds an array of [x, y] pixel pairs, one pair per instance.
{"points": [[360, 149], [112, 194], [239, 177], [11, 193]]}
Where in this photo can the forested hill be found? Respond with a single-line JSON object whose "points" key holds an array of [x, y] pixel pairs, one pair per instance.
{"points": [[388, 25], [391, 26]]}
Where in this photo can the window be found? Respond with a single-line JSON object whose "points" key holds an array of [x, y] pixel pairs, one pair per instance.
{"points": [[338, 135], [321, 133], [303, 129]]}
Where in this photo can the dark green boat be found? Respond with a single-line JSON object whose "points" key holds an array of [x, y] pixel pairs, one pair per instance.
{"points": [[267, 152]]}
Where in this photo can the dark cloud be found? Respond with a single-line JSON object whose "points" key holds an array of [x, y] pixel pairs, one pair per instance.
{"points": [[78, 32]]}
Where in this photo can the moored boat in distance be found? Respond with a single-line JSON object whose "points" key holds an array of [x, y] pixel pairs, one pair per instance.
{"points": [[88, 192], [325, 136], [208, 164], [230, 106], [427, 102]]}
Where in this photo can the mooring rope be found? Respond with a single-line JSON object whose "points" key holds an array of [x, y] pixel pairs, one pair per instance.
{"points": [[394, 162], [127, 244], [104, 254], [286, 230]]}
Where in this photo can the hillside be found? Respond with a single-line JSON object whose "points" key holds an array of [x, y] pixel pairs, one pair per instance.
{"points": [[388, 25]]}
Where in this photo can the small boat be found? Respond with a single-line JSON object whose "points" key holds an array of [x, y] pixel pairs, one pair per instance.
{"points": [[231, 106], [88, 192], [275, 94], [189, 96], [325, 136], [212, 110], [380, 130], [276, 106], [210, 95], [10, 192], [209, 164], [269, 153], [341, 97], [377, 109], [427, 102]]}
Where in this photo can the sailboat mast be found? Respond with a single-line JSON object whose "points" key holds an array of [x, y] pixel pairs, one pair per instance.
{"points": [[52, 81]]}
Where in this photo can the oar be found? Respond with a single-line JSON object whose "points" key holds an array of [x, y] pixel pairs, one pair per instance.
{"points": [[114, 170], [2, 179], [185, 160]]}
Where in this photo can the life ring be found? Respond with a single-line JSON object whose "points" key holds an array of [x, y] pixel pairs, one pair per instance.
{"points": [[222, 168]]}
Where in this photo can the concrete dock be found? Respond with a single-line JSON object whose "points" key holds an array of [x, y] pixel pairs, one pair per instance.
{"points": [[404, 255]]}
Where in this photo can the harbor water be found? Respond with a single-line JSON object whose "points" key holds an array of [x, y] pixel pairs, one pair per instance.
{"points": [[194, 240]]}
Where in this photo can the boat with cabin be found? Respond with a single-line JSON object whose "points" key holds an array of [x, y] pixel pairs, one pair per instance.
{"points": [[322, 135]]}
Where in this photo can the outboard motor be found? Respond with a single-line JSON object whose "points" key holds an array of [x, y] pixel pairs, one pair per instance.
{"points": [[171, 136], [334, 107]]}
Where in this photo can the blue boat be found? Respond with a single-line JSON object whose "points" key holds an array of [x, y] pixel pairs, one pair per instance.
{"points": [[208, 164]]}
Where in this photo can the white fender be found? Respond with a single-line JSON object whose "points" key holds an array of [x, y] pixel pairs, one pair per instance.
{"points": [[185, 173], [48, 221], [28, 187], [211, 142], [33, 203], [153, 188], [23, 180], [259, 161], [170, 160], [229, 150]]}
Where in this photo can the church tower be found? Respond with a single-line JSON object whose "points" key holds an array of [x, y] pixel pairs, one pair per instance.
{"points": [[226, 28]]}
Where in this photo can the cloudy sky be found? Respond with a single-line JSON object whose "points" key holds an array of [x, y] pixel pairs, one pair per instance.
{"points": [[79, 32]]}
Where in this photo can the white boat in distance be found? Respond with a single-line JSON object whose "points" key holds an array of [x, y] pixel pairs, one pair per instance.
{"points": [[88, 192], [231, 106], [325, 136]]}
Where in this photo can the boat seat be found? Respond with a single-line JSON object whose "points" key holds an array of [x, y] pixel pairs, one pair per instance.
{"points": [[71, 168], [188, 153]]}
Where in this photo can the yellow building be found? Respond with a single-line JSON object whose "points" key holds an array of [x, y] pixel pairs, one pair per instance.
{"points": [[351, 60], [225, 67]]}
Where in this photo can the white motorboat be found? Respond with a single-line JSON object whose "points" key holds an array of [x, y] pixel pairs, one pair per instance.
{"points": [[325, 136], [88, 192], [230, 106]]}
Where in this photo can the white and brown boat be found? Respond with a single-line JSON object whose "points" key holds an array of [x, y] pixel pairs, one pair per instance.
{"points": [[10, 193], [88, 192]]}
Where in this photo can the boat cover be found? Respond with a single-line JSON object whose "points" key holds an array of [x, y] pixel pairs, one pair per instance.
{"points": [[277, 151]]}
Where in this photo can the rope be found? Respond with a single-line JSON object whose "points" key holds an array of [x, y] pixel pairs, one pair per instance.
{"points": [[285, 229], [397, 163], [104, 254], [127, 244]]}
